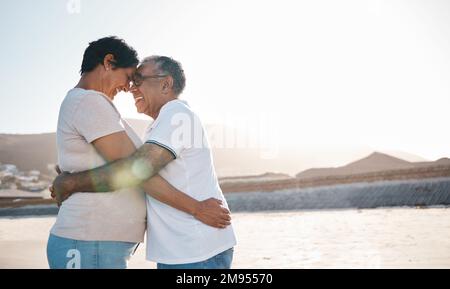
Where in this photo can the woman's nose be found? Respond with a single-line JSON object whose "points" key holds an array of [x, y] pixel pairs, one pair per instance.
{"points": [[126, 87]]}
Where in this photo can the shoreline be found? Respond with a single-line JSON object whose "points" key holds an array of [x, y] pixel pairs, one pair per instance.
{"points": [[269, 212], [417, 193]]}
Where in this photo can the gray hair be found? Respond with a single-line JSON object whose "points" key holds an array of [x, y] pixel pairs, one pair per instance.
{"points": [[169, 66]]}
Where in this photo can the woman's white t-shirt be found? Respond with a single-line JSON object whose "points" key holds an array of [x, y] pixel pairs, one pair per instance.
{"points": [[85, 116]]}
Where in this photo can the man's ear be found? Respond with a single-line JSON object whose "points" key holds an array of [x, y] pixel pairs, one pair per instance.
{"points": [[167, 84], [109, 61]]}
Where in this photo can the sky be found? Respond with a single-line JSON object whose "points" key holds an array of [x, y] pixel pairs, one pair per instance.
{"points": [[316, 75]]}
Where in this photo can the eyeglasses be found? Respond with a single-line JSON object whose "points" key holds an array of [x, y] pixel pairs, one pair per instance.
{"points": [[138, 78]]}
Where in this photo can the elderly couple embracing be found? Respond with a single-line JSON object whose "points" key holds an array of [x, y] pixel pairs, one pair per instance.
{"points": [[113, 186]]}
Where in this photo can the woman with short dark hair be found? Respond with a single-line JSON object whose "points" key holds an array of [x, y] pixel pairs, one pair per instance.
{"points": [[96, 230]]}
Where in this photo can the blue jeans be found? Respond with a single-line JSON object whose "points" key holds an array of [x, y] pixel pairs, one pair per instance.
{"points": [[220, 261], [63, 253]]}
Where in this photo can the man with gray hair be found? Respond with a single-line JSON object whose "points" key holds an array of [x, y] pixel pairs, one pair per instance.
{"points": [[177, 148]]}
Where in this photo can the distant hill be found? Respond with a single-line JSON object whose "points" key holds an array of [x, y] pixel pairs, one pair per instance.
{"points": [[29, 152], [375, 162], [262, 176], [439, 162], [37, 151], [443, 162]]}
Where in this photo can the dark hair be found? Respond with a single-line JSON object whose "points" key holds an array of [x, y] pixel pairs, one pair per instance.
{"points": [[124, 55], [170, 66]]}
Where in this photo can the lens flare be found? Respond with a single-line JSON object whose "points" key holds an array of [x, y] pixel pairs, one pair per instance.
{"points": [[141, 169]]}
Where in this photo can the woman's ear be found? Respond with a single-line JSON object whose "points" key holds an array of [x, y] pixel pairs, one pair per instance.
{"points": [[109, 61]]}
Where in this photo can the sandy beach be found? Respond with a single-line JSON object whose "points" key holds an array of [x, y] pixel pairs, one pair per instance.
{"points": [[373, 238]]}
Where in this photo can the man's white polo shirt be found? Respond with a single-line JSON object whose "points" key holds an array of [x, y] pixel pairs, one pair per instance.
{"points": [[174, 237]]}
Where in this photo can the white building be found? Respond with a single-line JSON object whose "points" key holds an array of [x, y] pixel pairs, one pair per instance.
{"points": [[9, 168]]}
